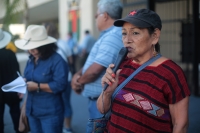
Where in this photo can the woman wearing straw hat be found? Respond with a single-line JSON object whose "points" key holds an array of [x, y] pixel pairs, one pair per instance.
{"points": [[8, 72], [46, 76], [66, 54]]}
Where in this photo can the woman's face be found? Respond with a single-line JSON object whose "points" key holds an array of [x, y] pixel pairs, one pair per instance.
{"points": [[35, 53], [138, 41]]}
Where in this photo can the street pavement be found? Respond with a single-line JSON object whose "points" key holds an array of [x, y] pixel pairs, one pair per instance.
{"points": [[80, 112]]}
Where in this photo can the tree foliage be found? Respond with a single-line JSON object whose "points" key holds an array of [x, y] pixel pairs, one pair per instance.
{"points": [[13, 10]]}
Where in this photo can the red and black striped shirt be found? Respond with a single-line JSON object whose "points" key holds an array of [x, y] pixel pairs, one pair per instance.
{"points": [[142, 106]]}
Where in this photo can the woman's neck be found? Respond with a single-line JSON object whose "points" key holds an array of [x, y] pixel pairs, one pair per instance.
{"points": [[35, 60], [141, 60]]}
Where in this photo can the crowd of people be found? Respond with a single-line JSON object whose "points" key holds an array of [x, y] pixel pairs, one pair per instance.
{"points": [[155, 100]]}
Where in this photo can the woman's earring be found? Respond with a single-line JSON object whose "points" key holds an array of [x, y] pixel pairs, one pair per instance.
{"points": [[154, 51]]}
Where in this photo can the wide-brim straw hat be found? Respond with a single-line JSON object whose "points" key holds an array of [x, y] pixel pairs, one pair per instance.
{"points": [[34, 37], [5, 38]]}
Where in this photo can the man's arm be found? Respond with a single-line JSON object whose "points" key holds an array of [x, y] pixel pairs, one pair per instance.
{"points": [[91, 74]]}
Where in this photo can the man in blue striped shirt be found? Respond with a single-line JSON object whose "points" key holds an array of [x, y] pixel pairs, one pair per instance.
{"points": [[104, 52]]}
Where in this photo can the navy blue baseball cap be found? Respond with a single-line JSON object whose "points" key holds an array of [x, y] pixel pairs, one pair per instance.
{"points": [[142, 18]]}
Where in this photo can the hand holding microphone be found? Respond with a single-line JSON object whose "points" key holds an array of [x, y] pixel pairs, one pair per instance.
{"points": [[122, 54]]}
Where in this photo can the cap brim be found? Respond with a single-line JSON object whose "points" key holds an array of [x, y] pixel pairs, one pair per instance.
{"points": [[21, 44], [133, 21], [6, 39]]}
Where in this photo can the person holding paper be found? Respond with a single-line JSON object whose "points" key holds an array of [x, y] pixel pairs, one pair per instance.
{"points": [[46, 75], [8, 72]]}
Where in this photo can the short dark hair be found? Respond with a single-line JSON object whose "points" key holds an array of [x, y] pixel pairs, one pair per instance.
{"points": [[70, 33], [87, 32], [47, 50], [52, 29]]}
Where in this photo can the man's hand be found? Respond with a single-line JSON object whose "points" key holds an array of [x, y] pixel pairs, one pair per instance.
{"points": [[76, 86]]}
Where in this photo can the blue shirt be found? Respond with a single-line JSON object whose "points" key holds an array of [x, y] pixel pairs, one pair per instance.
{"points": [[64, 51], [88, 43], [104, 52], [71, 43], [54, 72]]}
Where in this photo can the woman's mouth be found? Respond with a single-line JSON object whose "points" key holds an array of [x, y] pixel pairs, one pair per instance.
{"points": [[129, 49]]}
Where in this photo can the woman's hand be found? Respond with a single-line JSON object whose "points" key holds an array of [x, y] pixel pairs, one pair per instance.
{"points": [[110, 78], [32, 86], [104, 100]]}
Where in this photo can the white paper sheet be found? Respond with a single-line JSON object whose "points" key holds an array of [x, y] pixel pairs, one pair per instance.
{"points": [[17, 85]]}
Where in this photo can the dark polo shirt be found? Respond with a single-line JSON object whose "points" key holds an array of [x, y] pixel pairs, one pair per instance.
{"points": [[8, 72]]}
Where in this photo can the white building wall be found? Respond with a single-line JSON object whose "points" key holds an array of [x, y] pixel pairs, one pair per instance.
{"points": [[34, 3], [63, 18], [87, 8], [87, 11], [86, 16]]}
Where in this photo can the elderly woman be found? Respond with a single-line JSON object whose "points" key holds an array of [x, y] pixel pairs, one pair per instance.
{"points": [[156, 99], [46, 76]]}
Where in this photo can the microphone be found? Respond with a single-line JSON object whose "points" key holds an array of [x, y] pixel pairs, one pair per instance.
{"points": [[122, 54]]}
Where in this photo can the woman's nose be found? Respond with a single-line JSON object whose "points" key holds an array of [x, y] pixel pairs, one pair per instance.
{"points": [[127, 39]]}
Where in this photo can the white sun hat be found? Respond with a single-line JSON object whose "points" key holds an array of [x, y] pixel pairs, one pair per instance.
{"points": [[34, 37], [5, 38]]}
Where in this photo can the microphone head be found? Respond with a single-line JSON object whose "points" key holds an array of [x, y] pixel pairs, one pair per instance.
{"points": [[123, 51], [122, 54]]}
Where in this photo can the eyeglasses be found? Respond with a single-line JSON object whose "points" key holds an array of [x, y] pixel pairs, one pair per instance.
{"points": [[96, 16]]}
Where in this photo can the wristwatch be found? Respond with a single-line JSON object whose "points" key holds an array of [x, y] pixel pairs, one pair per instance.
{"points": [[38, 89]]}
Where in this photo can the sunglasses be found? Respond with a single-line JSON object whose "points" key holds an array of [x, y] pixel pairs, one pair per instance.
{"points": [[96, 16]]}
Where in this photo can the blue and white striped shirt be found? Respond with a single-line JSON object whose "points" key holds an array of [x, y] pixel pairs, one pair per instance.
{"points": [[104, 52]]}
